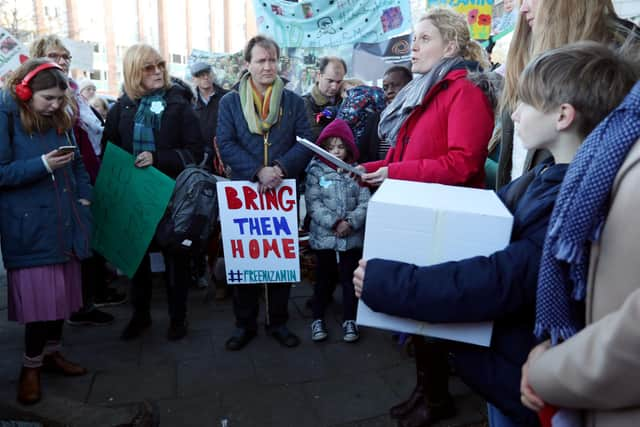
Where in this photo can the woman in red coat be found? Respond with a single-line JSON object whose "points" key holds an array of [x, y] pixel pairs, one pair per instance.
{"points": [[439, 126], [439, 123]]}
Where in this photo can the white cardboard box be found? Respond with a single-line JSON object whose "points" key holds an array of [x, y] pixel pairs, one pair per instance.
{"points": [[426, 224]]}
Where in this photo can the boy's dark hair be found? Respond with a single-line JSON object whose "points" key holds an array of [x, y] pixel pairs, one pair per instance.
{"points": [[406, 73], [588, 75], [326, 60], [262, 41]]}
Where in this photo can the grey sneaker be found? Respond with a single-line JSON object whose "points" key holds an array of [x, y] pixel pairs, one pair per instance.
{"points": [[318, 330], [350, 330]]}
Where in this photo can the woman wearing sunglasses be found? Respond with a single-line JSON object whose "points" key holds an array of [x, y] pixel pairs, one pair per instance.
{"points": [[153, 120]]}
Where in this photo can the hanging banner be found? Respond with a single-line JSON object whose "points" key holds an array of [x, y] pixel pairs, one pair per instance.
{"points": [[12, 54], [259, 232], [478, 13], [371, 60], [323, 23]]}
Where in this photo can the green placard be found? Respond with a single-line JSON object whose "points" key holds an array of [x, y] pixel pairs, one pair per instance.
{"points": [[128, 202]]}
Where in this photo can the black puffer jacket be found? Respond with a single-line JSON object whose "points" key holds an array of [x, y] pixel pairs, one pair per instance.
{"points": [[179, 129]]}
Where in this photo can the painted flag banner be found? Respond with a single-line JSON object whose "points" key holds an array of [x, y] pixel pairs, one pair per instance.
{"points": [[371, 60], [322, 23], [478, 13]]}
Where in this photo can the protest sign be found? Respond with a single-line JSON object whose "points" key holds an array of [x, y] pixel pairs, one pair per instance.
{"points": [[322, 23], [128, 203], [12, 54], [259, 232], [82, 53], [478, 13]]}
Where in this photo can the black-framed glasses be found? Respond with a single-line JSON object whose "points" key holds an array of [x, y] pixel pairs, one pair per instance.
{"points": [[151, 68], [57, 57]]}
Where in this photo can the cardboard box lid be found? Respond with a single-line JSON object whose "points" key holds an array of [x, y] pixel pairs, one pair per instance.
{"points": [[443, 197]]}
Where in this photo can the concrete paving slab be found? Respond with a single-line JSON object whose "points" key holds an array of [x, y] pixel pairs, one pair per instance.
{"points": [[350, 398], [134, 384], [196, 382], [195, 411], [155, 348], [202, 376], [271, 405]]}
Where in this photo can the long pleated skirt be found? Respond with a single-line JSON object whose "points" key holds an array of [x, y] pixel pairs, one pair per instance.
{"points": [[49, 292]]}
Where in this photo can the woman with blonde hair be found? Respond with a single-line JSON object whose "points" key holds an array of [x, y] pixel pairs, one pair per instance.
{"points": [[154, 121], [45, 222], [544, 25], [439, 124]]}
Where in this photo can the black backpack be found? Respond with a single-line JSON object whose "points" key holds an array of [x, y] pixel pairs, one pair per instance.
{"points": [[192, 213]]}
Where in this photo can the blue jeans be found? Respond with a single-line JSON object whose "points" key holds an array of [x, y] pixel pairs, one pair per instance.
{"points": [[498, 419]]}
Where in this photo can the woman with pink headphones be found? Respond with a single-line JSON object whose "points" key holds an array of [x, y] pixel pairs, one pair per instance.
{"points": [[44, 216]]}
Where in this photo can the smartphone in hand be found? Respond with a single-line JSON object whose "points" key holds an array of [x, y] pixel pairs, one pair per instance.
{"points": [[66, 149]]}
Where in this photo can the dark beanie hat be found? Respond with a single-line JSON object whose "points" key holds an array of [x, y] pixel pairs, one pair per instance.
{"points": [[340, 129]]}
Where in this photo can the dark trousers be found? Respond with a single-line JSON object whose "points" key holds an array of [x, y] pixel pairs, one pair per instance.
{"points": [[37, 334], [432, 367], [94, 282], [246, 300], [177, 278], [324, 287]]}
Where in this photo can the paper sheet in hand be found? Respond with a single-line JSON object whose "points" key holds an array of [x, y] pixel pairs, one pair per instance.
{"points": [[328, 156]]}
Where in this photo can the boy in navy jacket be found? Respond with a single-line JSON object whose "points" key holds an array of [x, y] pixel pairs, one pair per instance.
{"points": [[563, 95]]}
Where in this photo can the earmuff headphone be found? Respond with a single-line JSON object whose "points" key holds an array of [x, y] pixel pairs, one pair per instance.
{"points": [[23, 91]]}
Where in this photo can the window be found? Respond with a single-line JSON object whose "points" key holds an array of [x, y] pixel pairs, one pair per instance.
{"points": [[95, 75]]}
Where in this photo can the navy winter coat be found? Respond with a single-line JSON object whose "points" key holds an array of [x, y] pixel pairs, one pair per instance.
{"points": [[500, 287], [41, 220], [243, 151]]}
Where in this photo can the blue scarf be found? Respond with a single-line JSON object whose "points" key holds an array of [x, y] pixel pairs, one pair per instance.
{"points": [[147, 118], [577, 220]]}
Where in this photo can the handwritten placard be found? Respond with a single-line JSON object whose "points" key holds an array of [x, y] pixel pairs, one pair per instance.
{"points": [[128, 203], [259, 232], [477, 12]]}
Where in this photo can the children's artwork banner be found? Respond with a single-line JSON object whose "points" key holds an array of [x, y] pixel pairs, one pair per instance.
{"points": [[12, 54], [128, 203], [322, 23], [259, 232], [478, 13]]}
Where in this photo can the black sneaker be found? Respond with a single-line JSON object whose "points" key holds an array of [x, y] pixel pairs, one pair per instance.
{"points": [[177, 330], [318, 330], [350, 330], [138, 323], [111, 298], [92, 317]]}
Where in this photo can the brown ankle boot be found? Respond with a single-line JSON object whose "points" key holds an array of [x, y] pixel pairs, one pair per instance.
{"points": [[432, 370], [55, 363], [424, 415], [403, 408], [29, 386]]}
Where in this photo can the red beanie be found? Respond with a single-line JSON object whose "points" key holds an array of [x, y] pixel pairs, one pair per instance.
{"points": [[340, 129]]}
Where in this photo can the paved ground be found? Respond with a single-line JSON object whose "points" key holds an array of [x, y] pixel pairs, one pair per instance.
{"points": [[195, 382]]}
